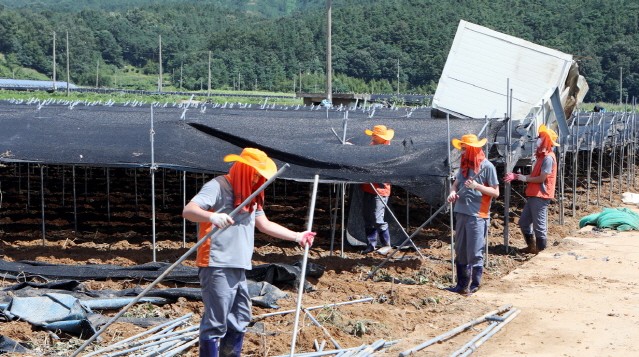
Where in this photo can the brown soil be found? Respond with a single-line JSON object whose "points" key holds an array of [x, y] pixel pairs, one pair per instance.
{"points": [[408, 301]]}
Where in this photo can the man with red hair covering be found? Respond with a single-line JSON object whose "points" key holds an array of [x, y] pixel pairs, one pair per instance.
{"points": [[222, 263], [472, 211], [540, 189], [373, 207]]}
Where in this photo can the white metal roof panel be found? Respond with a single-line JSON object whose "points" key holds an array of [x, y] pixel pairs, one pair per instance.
{"points": [[482, 62]]}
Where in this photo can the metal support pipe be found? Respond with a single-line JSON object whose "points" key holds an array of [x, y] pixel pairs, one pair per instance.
{"points": [[451, 216], [455, 331], [491, 333], [75, 204], [153, 168], [334, 212], [300, 291], [183, 204], [575, 164], [258, 317], [42, 204], [108, 184], [343, 193]]}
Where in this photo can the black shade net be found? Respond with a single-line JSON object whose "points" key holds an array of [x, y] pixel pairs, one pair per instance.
{"points": [[197, 139]]}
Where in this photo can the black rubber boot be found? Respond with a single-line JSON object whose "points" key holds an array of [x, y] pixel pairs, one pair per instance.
{"points": [[209, 348], [476, 274], [371, 237], [231, 344], [541, 244], [530, 241], [463, 278]]}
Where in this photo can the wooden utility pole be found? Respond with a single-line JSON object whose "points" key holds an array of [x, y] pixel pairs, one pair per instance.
{"points": [[54, 61], [68, 75], [160, 63], [97, 73], [208, 93], [329, 64]]}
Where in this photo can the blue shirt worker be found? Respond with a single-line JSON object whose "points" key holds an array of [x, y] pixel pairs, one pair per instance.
{"points": [[374, 200], [540, 190], [223, 262], [472, 211]]}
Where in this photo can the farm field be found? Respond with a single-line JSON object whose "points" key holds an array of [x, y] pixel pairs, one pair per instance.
{"points": [[408, 303]]}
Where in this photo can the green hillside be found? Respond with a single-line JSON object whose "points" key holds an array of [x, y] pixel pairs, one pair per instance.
{"points": [[279, 44]]}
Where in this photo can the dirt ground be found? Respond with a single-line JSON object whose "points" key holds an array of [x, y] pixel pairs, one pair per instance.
{"points": [[554, 290]]}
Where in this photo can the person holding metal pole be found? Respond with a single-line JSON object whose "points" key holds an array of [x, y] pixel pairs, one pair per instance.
{"points": [[540, 189], [373, 209], [222, 262], [472, 211]]}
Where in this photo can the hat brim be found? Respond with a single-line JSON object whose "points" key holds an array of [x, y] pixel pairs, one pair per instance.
{"points": [[458, 143], [267, 169], [390, 133]]}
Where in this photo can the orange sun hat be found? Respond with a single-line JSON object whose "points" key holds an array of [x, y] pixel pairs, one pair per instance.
{"points": [[551, 134], [470, 140], [381, 131], [256, 159]]}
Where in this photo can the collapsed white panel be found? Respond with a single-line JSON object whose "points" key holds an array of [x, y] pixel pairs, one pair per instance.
{"points": [[479, 65]]}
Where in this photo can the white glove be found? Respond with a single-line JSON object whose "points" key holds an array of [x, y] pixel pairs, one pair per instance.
{"points": [[452, 197], [522, 178], [221, 220]]}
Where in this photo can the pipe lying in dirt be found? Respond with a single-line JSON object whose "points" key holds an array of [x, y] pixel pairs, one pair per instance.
{"points": [[258, 317], [455, 331], [484, 332], [164, 327], [484, 338]]}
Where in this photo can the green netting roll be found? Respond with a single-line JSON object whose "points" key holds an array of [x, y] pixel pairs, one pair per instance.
{"points": [[622, 219]]}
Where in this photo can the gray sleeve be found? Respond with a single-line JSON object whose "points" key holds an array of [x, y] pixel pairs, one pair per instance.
{"points": [[209, 196], [546, 165], [489, 177]]}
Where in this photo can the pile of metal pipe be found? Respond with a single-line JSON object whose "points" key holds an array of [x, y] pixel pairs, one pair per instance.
{"points": [[167, 339], [492, 316]]}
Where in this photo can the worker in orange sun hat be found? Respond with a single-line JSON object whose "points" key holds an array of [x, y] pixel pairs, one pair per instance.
{"points": [[223, 262], [540, 189], [472, 211], [373, 206]]}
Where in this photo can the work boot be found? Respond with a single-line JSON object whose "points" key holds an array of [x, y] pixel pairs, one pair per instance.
{"points": [[541, 244], [371, 238], [530, 241], [463, 278], [385, 238], [209, 348], [475, 283], [231, 344]]}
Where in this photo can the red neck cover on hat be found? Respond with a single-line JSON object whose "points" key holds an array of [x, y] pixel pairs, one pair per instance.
{"points": [[545, 147], [241, 176], [471, 159]]}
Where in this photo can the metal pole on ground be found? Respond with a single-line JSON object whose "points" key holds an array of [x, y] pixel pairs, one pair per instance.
{"points": [[75, 204], [213, 233], [600, 158], [343, 194], [183, 204], [300, 290], [42, 204], [153, 168], [451, 216], [575, 163], [108, 185]]}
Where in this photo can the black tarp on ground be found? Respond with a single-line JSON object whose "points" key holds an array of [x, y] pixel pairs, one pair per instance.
{"points": [[98, 135]]}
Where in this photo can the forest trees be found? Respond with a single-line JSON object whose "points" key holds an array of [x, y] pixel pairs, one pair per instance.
{"points": [[270, 44]]}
